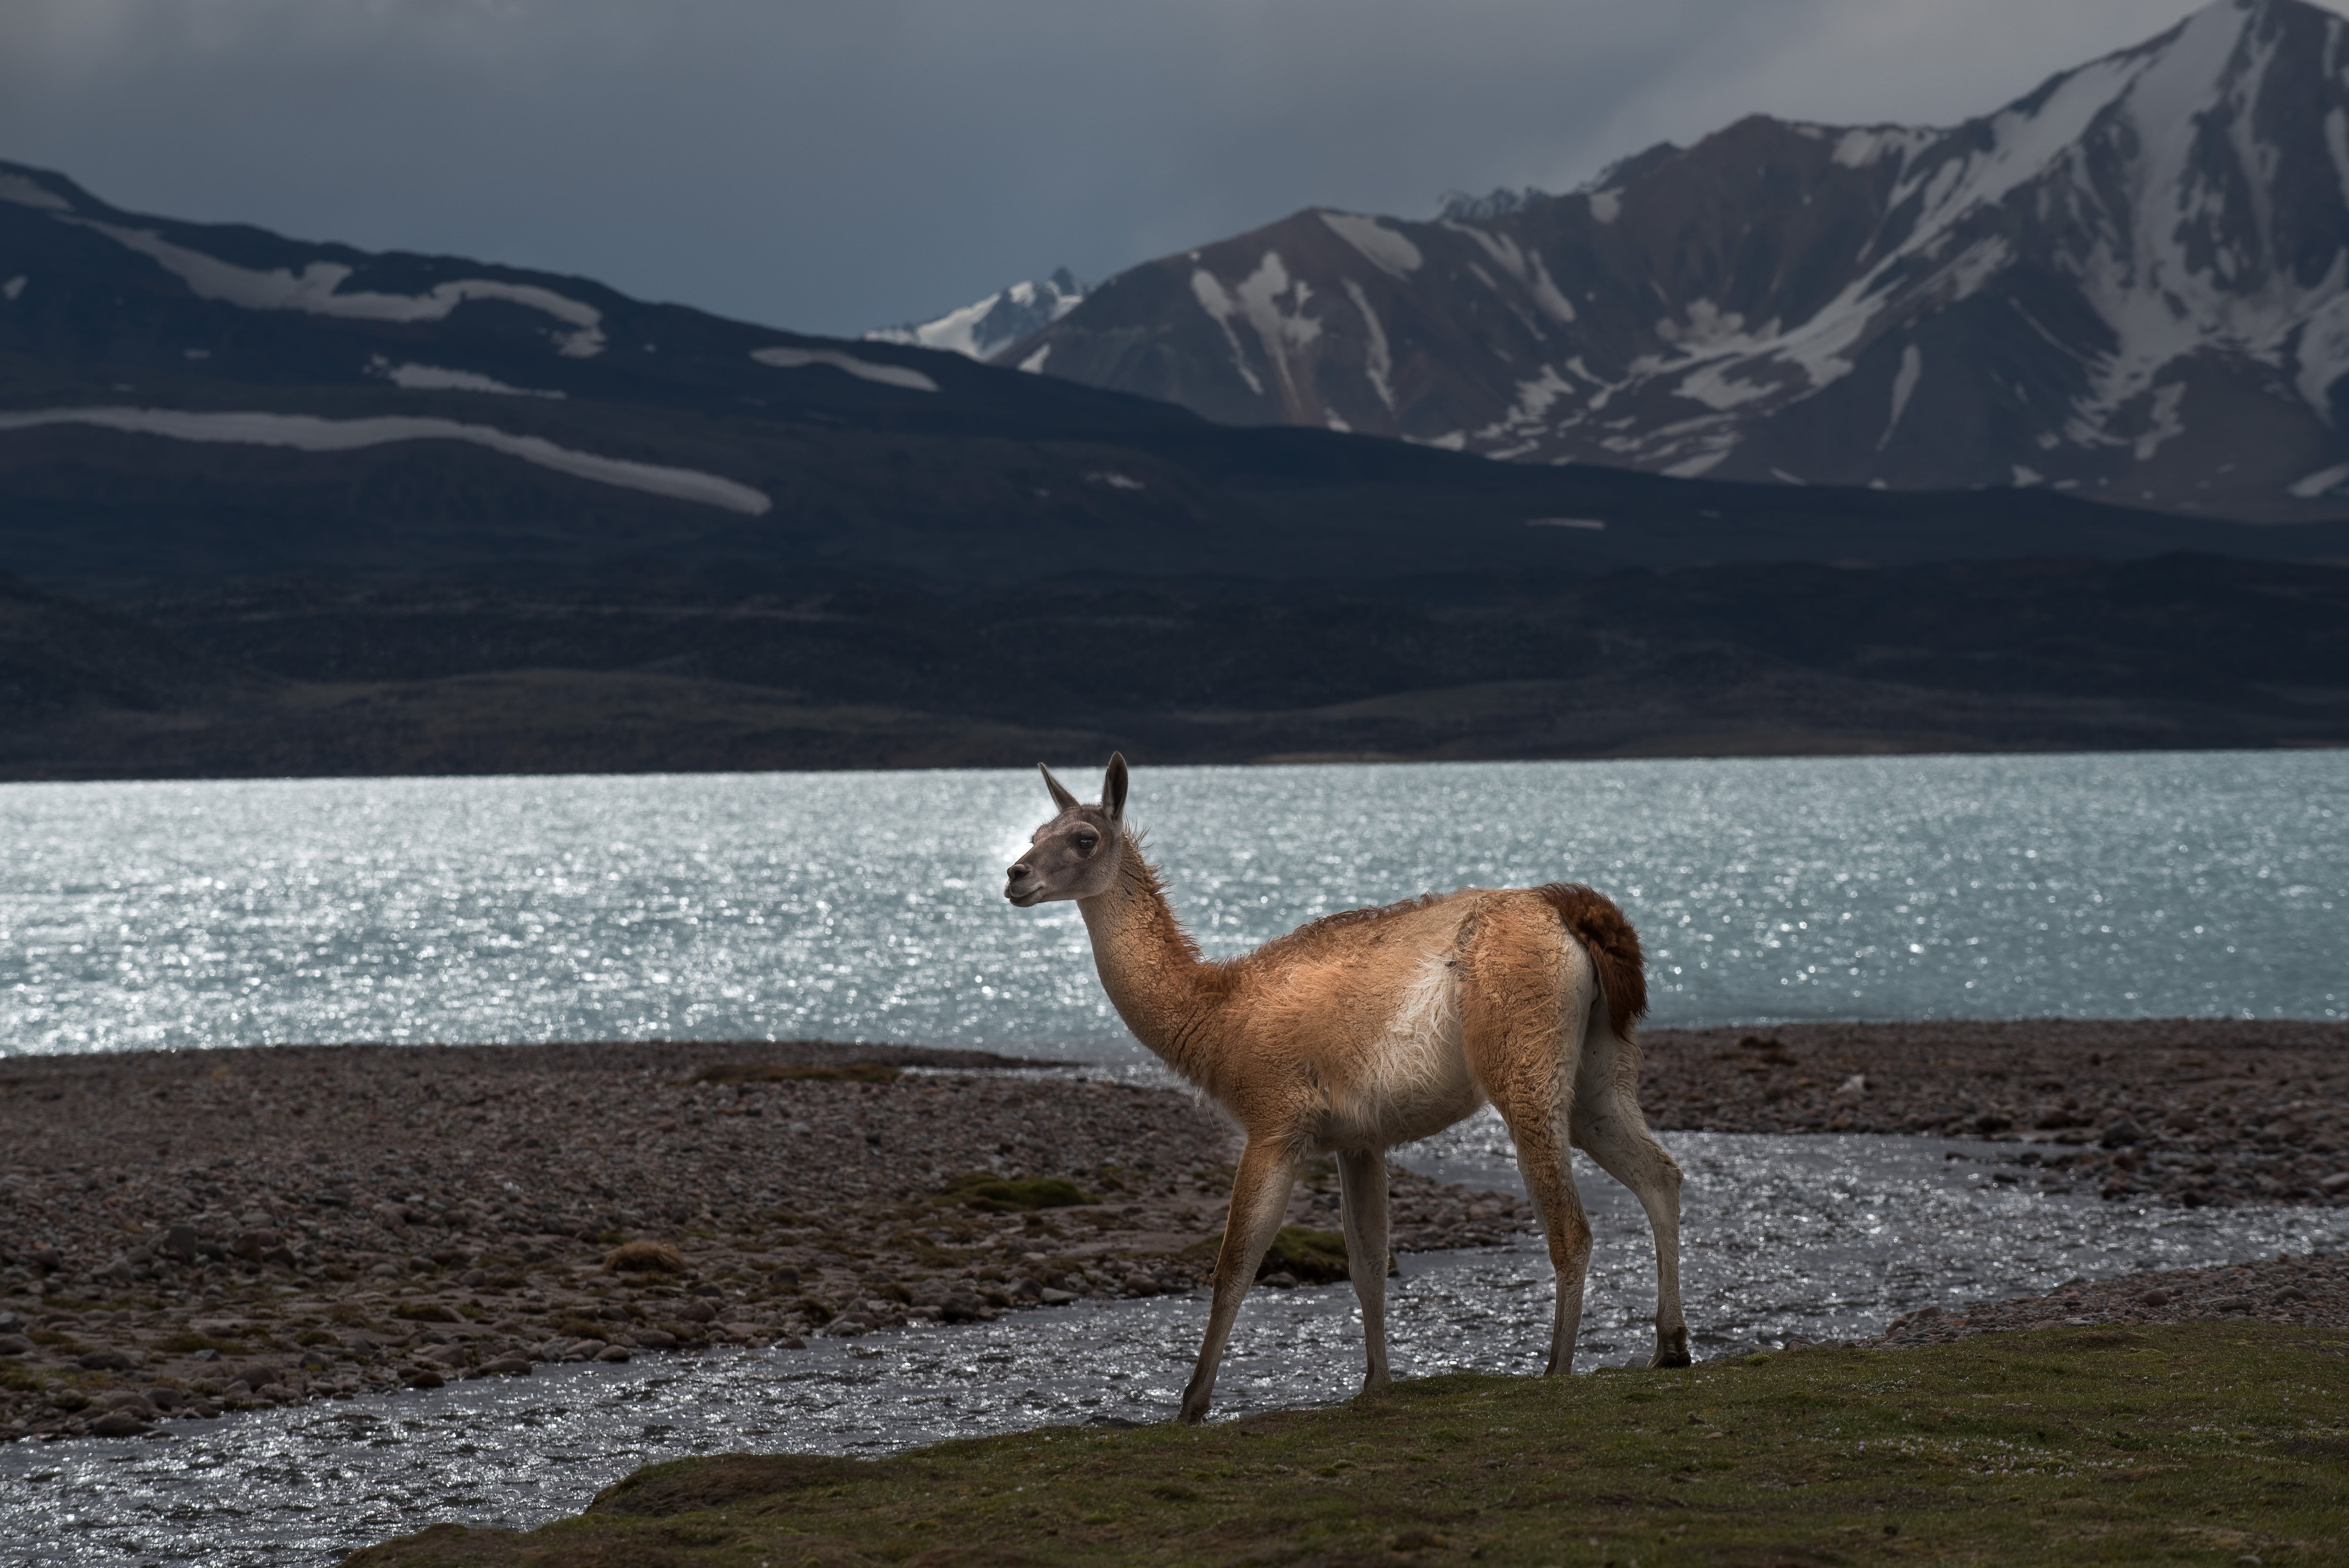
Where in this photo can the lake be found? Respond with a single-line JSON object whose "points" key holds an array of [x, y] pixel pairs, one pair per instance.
{"points": [[868, 905]]}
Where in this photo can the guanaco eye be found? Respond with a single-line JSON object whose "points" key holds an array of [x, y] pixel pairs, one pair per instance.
{"points": [[1085, 842]]}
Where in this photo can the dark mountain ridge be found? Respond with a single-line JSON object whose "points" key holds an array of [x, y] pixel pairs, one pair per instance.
{"points": [[183, 402]]}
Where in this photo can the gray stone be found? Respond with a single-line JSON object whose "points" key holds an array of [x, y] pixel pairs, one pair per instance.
{"points": [[613, 1353], [106, 1361], [180, 1242], [1052, 1297], [117, 1424], [15, 1344], [503, 1366]]}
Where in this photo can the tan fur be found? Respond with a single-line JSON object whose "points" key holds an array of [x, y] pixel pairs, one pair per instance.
{"points": [[1376, 1027]]}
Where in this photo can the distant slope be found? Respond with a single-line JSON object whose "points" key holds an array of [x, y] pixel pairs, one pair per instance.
{"points": [[184, 402], [2132, 283], [652, 668]]}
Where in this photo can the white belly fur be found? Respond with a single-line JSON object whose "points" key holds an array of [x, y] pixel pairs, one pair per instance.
{"points": [[1414, 1082]]}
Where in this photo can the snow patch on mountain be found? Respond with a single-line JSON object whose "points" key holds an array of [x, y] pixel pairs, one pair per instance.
{"points": [[411, 377], [1378, 361], [1385, 249], [310, 433], [316, 289], [863, 369], [26, 192], [1223, 310]]}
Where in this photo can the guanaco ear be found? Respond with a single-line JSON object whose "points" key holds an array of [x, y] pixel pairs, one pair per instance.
{"points": [[1113, 787], [1061, 796]]}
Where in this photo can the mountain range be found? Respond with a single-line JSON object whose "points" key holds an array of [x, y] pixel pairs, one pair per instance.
{"points": [[276, 506], [187, 402], [2131, 284]]}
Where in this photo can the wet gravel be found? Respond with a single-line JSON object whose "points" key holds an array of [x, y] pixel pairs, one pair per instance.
{"points": [[185, 1233], [192, 1232], [2195, 1111]]}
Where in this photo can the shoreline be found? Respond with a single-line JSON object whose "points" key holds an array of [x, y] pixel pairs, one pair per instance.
{"points": [[194, 1233], [198, 1231]]}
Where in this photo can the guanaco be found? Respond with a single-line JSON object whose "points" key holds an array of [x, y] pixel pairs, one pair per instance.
{"points": [[1375, 1028]]}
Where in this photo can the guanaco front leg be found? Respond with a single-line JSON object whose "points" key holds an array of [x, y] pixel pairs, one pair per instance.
{"points": [[1362, 1196], [1260, 1197]]}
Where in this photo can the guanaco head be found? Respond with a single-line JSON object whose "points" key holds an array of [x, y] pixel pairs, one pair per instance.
{"points": [[1075, 854]]}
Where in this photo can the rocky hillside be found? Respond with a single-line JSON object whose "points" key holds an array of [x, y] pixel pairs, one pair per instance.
{"points": [[2132, 283]]}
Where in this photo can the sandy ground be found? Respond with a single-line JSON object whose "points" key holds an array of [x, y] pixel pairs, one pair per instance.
{"points": [[216, 1230]]}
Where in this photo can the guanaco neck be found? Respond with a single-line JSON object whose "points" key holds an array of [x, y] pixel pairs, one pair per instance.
{"points": [[1152, 969]]}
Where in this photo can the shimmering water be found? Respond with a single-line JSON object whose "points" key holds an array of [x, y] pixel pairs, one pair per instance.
{"points": [[1813, 1237], [862, 905]]}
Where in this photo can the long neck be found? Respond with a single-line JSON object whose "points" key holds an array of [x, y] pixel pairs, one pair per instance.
{"points": [[1151, 967]]}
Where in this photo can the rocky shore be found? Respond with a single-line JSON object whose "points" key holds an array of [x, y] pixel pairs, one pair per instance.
{"points": [[2192, 1111], [2311, 1290], [200, 1231]]}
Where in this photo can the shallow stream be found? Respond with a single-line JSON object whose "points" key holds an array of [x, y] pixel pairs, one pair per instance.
{"points": [[1786, 1237]]}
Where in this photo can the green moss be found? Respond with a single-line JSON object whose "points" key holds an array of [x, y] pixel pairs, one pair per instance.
{"points": [[426, 1312], [1310, 1256], [2193, 1443], [188, 1343], [999, 1194]]}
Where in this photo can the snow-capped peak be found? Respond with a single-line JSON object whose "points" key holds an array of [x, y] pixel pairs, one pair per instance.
{"points": [[994, 323], [2133, 281]]}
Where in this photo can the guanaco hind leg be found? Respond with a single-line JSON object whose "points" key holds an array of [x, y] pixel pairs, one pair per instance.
{"points": [[1362, 1198], [1523, 1044], [1260, 1197], [1610, 1127]]}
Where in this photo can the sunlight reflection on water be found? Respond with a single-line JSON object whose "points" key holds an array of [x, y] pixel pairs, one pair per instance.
{"points": [[867, 906]]}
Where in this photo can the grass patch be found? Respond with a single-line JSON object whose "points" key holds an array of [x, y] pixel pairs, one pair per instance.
{"points": [[1313, 1257], [781, 1072], [1307, 1255], [999, 1194], [188, 1343], [2195, 1443], [426, 1312]]}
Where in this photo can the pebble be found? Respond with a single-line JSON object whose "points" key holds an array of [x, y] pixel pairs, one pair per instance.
{"points": [[2194, 1112]]}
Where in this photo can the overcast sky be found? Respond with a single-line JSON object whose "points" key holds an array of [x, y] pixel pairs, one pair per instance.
{"points": [[831, 165]]}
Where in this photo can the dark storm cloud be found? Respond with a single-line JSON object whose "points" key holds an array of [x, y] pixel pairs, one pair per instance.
{"points": [[837, 166]]}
